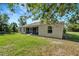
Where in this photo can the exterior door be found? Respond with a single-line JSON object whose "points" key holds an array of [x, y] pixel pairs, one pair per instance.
{"points": [[35, 30]]}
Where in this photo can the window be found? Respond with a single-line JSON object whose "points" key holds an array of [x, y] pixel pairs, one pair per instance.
{"points": [[49, 29]]}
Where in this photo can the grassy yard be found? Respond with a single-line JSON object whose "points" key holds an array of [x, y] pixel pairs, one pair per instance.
{"points": [[73, 36], [22, 44]]}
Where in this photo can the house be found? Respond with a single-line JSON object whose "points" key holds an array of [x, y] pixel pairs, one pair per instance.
{"points": [[48, 30]]}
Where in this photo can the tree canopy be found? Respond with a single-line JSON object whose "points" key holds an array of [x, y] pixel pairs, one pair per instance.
{"points": [[3, 22], [49, 12], [22, 20], [13, 27]]}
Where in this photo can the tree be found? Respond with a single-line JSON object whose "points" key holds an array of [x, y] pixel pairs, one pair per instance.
{"points": [[22, 20], [48, 12], [73, 25], [3, 22], [13, 27], [51, 12], [74, 19]]}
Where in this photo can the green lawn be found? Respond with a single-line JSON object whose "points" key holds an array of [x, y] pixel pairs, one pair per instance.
{"points": [[73, 36], [23, 45], [15, 44]]}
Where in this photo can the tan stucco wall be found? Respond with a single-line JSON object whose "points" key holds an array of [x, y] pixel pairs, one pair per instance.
{"points": [[56, 28]]}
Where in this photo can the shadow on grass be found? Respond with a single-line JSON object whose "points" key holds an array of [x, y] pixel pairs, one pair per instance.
{"points": [[1, 34], [72, 37]]}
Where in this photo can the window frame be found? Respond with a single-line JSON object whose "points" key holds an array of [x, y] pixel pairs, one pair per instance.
{"points": [[50, 29]]}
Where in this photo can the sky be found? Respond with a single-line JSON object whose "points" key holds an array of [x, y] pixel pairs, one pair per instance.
{"points": [[20, 10]]}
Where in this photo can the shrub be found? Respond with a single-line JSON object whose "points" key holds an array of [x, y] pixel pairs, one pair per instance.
{"points": [[73, 27], [64, 31]]}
